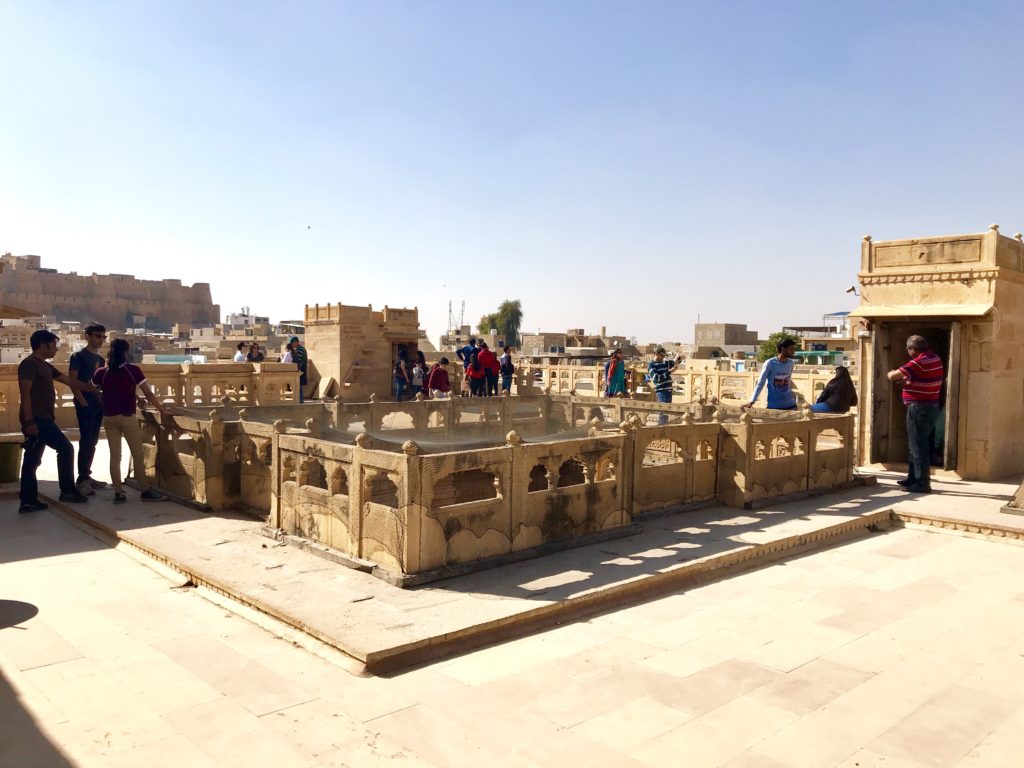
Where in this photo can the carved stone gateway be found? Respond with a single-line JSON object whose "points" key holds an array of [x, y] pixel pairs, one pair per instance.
{"points": [[965, 294]]}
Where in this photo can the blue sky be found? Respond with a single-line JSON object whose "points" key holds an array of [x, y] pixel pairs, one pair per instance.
{"points": [[630, 165]]}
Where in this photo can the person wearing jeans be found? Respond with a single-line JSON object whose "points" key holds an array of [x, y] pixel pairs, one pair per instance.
{"points": [[921, 378], [39, 422], [118, 381], [84, 363], [659, 374]]}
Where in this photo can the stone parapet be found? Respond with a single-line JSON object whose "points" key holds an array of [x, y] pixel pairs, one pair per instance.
{"points": [[184, 385], [422, 486]]}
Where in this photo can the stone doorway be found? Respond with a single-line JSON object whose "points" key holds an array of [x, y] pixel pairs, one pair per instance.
{"points": [[889, 435]]}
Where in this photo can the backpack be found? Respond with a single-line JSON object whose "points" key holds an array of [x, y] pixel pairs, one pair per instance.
{"points": [[507, 369]]}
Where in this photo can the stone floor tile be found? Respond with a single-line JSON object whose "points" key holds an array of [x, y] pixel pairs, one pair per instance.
{"points": [[868, 758], [161, 684], [797, 647], [714, 686], [35, 644], [751, 759], [672, 633], [509, 726], [810, 687], [1003, 746], [757, 602], [717, 736], [629, 726], [911, 546], [578, 701], [171, 752], [232, 736], [376, 750], [598, 659], [441, 740], [704, 652], [946, 728], [521, 686], [253, 685], [569, 748], [315, 728]]}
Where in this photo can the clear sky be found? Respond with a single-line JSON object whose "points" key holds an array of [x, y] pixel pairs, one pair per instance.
{"points": [[628, 164]]}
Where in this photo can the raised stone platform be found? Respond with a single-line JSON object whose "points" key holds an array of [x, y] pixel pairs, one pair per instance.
{"points": [[387, 628]]}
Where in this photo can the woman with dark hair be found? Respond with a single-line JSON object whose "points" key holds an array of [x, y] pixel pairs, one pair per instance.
{"points": [[118, 381], [839, 395], [256, 354]]}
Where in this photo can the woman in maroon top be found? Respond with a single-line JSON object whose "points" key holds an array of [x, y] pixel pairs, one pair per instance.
{"points": [[118, 381]]}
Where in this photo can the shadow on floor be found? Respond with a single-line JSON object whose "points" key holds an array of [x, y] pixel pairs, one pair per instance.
{"points": [[665, 543], [22, 743]]}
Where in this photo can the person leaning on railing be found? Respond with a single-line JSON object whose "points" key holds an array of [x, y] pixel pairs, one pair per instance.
{"points": [[118, 381]]}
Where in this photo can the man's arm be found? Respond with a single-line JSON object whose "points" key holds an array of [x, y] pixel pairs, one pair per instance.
{"points": [[896, 375], [73, 373], [75, 385], [25, 389], [760, 384]]}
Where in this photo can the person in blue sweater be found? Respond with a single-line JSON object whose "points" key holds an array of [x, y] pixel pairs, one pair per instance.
{"points": [[777, 374]]}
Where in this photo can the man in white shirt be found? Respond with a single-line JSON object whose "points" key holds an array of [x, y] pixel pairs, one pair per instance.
{"points": [[240, 352]]}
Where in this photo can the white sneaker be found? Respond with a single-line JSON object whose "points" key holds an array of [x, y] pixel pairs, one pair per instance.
{"points": [[84, 487]]}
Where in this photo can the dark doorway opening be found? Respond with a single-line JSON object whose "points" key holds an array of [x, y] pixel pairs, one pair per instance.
{"points": [[889, 434]]}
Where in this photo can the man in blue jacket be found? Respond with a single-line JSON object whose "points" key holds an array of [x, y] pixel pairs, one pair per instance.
{"points": [[777, 375]]}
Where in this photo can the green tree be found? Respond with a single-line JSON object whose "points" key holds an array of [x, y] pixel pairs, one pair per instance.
{"points": [[767, 349], [507, 320]]}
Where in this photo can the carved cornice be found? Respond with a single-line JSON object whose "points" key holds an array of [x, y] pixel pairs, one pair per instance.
{"points": [[893, 278]]}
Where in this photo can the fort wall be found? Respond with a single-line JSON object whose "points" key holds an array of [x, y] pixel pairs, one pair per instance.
{"points": [[109, 299]]}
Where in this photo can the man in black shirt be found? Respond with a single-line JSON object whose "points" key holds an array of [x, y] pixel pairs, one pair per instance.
{"points": [[39, 423], [84, 363]]}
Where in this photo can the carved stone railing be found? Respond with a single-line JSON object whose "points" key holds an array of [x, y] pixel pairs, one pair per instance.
{"points": [[220, 457], [413, 510], [687, 384], [184, 384], [763, 459]]}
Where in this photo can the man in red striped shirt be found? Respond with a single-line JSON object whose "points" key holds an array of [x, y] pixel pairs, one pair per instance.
{"points": [[921, 379]]}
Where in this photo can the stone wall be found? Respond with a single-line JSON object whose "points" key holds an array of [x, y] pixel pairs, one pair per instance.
{"points": [[107, 299], [354, 348]]}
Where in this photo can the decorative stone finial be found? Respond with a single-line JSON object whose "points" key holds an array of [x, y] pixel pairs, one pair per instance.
{"points": [[746, 418], [419, 397], [513, 438], [687, 417], [717, 416], [1018, 236], [867, 238], [243, 414], [410, 448], [373, 397], [547, 390], [225, 400], [595, 426], [994, 227], [805, 412], [214, 416], [281, 425], [362, 440]]}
